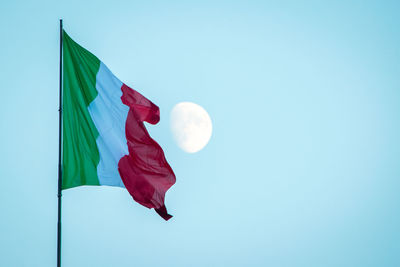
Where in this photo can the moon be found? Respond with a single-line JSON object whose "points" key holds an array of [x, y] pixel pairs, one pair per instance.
{"points": [[191, 126]]}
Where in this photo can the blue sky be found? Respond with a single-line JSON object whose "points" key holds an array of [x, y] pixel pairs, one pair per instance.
{"points": [[302, 167]]}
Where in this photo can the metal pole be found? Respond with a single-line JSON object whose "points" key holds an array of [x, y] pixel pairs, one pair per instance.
{"points": [[59, 155]]}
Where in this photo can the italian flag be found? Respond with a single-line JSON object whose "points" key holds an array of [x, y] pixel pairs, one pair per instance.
{"points": [[105, 141]]}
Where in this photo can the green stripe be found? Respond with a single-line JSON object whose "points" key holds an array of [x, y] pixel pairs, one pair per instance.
{"points": [[80, 153]]}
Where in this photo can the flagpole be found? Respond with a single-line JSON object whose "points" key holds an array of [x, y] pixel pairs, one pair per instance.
{"points": [[59, 154]]}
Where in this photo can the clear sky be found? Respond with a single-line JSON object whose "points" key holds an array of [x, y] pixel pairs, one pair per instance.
{"points": [[302, 168]]}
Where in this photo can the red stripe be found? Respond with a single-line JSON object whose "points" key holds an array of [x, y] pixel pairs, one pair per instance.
{"points": [[145, 172]]}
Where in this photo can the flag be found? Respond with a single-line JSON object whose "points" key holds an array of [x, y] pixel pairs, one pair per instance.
{"points": [[105, 141]]}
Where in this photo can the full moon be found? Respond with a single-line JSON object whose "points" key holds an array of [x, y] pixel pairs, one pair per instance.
{"points": [[191, 126]]}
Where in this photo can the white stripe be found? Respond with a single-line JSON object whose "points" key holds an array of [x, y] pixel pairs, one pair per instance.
{"points": [[109, 115]]}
